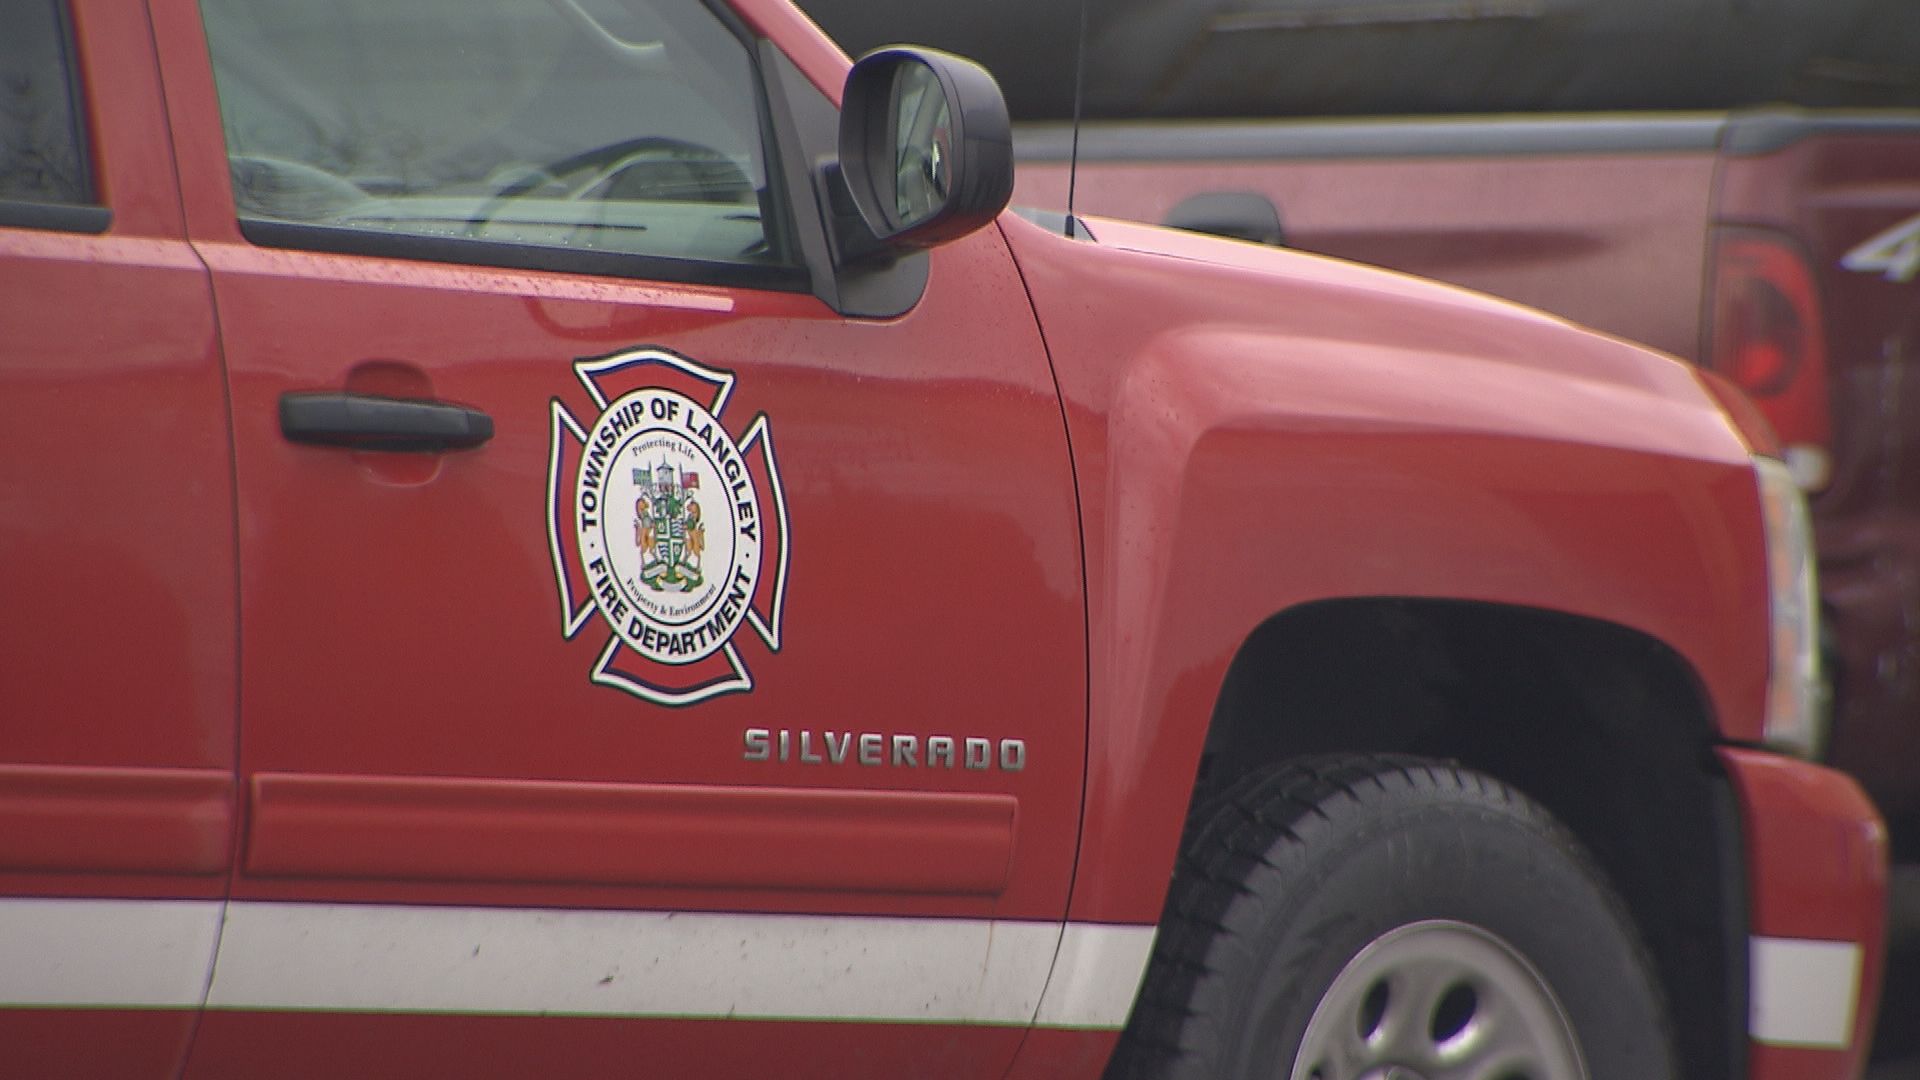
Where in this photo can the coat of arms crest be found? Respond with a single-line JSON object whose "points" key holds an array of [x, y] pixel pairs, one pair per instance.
{"points": [[669, 527]]}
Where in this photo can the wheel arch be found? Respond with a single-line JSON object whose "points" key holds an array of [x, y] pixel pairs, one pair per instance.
{"points": [[1608, 728]]}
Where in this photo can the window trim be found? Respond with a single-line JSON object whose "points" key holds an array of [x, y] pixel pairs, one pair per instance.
{"points": [[77, 103], [57, 217], [792, 276], [806, 123], [507, 255], [787, 243]]}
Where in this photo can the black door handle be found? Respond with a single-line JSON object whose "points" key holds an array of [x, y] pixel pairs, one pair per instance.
{"points": [[364, 422]]}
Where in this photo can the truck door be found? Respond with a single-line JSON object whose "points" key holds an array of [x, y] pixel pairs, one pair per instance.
{"points": [[644, 666], [117, 634]]}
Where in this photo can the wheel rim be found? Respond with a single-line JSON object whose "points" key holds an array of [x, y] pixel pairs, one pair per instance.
{"points": [[1438, 1000]]}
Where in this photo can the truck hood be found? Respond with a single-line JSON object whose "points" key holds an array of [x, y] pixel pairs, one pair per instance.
{"points": [[1318, 297], [1288, 263]]}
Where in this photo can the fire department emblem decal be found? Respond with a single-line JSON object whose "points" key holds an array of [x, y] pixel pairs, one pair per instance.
{"points": [[667, 525]]}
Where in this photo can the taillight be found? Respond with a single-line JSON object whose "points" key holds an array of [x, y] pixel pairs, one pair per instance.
{"points": [[1767, 336]]}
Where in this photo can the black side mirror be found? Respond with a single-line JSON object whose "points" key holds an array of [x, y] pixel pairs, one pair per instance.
{"points": [[926, 153]]}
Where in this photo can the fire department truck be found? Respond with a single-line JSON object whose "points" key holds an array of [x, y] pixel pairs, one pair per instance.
{"points": [[579, 537]]}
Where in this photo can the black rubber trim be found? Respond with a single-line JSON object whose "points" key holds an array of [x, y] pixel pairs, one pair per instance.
{"points": [[58, 217], [1735, 918], [454, 249], [1055, 222], [809, 127], [786, 89], [1221, 140], [782, 237]]}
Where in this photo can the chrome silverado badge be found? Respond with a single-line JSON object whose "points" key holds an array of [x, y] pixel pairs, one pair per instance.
{"points": [[667, 525]]}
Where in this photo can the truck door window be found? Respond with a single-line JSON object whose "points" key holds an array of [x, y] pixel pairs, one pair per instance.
{"points": [[43, 159], [468, 129]]}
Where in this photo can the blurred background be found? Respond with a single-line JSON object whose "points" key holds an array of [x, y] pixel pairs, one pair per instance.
{"points": [[1736, 182], [1278, 58]]}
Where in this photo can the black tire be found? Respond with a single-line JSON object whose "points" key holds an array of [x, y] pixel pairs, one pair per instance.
{"points": [[1288, 875]]}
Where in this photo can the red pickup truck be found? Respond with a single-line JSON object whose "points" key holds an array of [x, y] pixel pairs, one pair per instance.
{"points": [[557, 537]]}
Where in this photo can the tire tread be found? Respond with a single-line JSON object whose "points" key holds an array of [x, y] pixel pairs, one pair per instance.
{"points": [[1247, 828]]}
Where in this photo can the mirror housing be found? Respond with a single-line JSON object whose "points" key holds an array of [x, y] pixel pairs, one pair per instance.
{"points": [[926, 153]]}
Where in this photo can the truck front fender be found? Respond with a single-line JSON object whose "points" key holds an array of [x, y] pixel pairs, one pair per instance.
{"points": [[1249, 439]]}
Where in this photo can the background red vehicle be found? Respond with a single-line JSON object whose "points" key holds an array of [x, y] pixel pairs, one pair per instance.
{"points": [[550, 537]]}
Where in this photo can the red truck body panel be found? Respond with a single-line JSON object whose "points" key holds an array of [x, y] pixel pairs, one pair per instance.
{"points": [[419, 759], [882, 409], [89, 405], [1615, 221], [1352, 441], [1804, 826], [117, 609]]}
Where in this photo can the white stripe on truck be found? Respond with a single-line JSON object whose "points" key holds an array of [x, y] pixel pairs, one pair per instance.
{"points": [[139, 954], [144, 954], [154, 954], [1803, 992]]}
